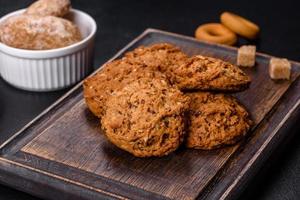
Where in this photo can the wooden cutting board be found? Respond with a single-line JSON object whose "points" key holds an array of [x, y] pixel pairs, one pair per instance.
{"points": [[62, 154]]}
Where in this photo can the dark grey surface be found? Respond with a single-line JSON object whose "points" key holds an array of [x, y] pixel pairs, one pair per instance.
{"points": [[120, 21]]}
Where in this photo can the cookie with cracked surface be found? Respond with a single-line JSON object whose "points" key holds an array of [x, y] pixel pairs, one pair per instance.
{"points": [[58, 8], [215, 120], [207, 73], [38, 33], [113, 76], [161, 56], [146, 118]]}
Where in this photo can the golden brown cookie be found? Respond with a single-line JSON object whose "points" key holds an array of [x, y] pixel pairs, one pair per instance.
{"points": [[160, 57], [206, 73], [38, 33], [113, 76], [58, 8], [146, 118], [215, 120]]}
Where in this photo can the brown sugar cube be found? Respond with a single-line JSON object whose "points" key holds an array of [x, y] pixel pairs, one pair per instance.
{"points": [[279, 68], [246, 56]]}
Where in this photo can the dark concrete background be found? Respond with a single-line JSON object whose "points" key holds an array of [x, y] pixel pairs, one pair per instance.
{"points": [[120, 21]]}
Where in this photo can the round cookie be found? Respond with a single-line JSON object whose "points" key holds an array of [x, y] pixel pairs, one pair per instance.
{"points": [[58, 8], [162, 56], [146, 118], [113, 76], [206, 73], [215, 120], [38, 33]]}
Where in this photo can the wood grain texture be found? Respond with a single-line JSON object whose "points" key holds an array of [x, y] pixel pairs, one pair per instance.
{"points": [[66, 145]]}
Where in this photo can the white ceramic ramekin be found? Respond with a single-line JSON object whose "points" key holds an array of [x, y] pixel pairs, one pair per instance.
{"points": [[54, 69]]}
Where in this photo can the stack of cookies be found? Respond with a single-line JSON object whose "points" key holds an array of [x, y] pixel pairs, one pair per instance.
{"points": [[155, 98]]}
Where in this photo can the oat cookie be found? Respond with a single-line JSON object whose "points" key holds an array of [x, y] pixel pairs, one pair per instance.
{"points": [[113, 76], [161, 57], [206, 73], [146, 118], [215, 120], [58, 8], [38, 33]]}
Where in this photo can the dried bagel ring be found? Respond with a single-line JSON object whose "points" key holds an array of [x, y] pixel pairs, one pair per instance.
{"points": [[240, 25], [217, 33]]}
